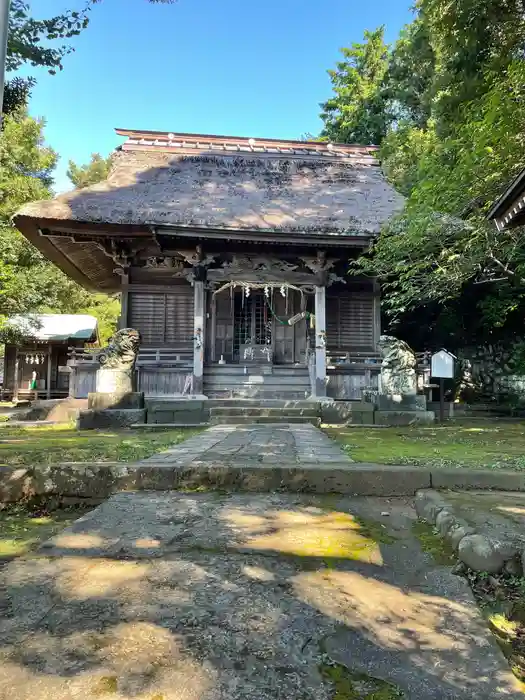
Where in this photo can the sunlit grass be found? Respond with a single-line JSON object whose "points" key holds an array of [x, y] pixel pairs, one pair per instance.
{"points": [[22, 530], [486, 445], [63, 443]]}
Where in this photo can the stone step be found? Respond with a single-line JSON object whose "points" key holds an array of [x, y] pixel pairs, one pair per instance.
{"points": [[152, 427], [256, 394], [219, 411], [255, 369], [338, 477], [257, 420], [261, 403], [167, 403], [259, 382]]}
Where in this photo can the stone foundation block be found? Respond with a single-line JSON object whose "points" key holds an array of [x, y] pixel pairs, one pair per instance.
{"points": [[412, 402], [404, 417], [336, 411], [184, 411], [110, 418], [98, 401]]}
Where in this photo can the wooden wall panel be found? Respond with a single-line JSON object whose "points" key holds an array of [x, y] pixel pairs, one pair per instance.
{"points": [[163, 317], [350, 320], [9, 366]]}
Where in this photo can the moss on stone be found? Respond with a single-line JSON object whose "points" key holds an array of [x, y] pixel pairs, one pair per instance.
{"points": [[432, 543], [374, 531], [349, 685], [23, 527], [106, 685], [502, 626]]}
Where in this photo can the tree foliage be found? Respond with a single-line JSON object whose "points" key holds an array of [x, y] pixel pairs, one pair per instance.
{"points": [[89, 174], [29, 282], [454, 109], [356, 112]]}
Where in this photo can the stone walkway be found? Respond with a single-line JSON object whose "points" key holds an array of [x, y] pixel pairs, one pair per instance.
{"points": [[211, 596], [250, 445], [170, 596]]}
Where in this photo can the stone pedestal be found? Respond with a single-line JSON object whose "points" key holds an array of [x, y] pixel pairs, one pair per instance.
{"points": [[404, 409], [110, 418], [115, 403], [115, 381], [99, 401]]}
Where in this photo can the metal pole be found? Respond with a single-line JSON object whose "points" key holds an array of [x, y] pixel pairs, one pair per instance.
{"points": [[4, 23]]}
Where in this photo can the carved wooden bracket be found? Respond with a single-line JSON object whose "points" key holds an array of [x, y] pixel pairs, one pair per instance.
{"points": [[196, 257], [321, 266], [165, 263], [123, 253], [258, 263], [198, 262]]}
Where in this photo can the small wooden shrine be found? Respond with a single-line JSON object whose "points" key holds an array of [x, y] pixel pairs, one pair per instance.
{"points": [[232, 256]]}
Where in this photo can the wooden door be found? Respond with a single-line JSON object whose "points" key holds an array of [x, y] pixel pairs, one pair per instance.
{"points": [[289, 341]]}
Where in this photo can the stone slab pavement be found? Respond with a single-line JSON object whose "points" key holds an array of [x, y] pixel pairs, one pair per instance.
{"points": [[274, 443], [207, 596]]}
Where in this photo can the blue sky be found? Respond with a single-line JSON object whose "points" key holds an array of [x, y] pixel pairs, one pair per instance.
{"points": [[208, 66]]}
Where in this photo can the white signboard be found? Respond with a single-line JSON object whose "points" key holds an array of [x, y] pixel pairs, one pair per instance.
{"points": [[442, 365]]}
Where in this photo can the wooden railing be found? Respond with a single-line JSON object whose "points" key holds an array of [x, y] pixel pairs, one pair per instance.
{"points": [[351, 374], [168, 372], [160, 371]]}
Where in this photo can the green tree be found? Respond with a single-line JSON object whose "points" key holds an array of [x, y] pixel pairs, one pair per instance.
{"points": [[408, 83], [29, 282], [442, 243], [452, 135], [357, 112], [95, 171], [469, 38]]}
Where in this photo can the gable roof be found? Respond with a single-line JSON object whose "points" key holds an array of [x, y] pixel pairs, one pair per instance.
{"points": [[509, 210], [232, 183], [55, 326]]}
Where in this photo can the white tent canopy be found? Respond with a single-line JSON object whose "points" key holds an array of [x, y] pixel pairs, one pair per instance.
{"points": [[55, 326]]}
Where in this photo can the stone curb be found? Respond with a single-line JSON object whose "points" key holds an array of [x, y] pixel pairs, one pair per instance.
{"points": [[476, 550], [98, 481]]}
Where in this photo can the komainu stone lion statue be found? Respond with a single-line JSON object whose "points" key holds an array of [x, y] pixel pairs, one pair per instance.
{"points": [[398, 373], [122, 351]]}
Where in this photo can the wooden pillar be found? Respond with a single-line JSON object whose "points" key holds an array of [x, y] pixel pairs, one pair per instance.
{"points": [[213, 332], [320, 342], [198, 336], [15, 378], [124, 297], [376, 289], [49, 368]]}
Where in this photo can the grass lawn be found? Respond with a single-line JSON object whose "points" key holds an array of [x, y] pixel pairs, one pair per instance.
{"points": [[63, 443], [476, 444], [22, 529]]}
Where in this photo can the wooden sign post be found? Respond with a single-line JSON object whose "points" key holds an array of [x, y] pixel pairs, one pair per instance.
{"points": [[442, 367]]}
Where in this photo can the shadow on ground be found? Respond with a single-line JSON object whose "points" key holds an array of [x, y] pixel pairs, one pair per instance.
{"points": [[166, 596]]}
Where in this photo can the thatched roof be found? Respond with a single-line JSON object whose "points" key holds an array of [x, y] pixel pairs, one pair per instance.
{"points": [[228, 183]]}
